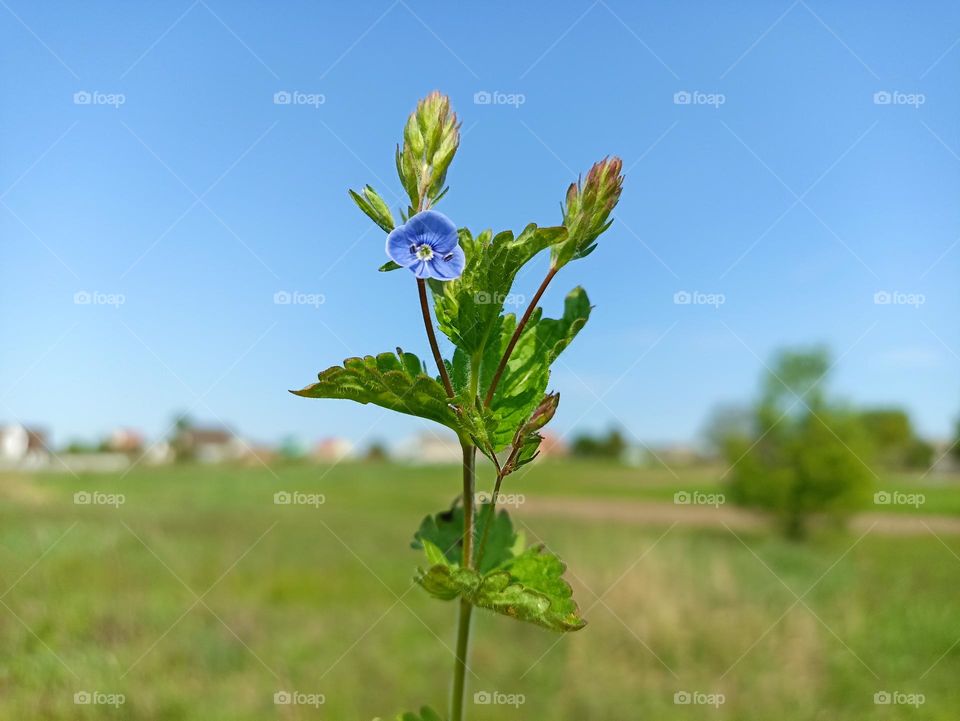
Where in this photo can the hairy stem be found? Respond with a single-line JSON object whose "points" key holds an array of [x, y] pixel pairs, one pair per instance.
{"points": [[516, 334], [460, 669], [466, 610], [489, 518], [432, 337]]}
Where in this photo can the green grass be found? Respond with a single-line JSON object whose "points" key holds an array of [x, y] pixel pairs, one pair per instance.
{"points": [[307, 599]]}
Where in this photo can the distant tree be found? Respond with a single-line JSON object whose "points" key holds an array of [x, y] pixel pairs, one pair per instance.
{"points": [[180, 442], [805, 455], [292, 449], [955, 448], [376, 452], [727, 425], [611, 446], [895, 443]]}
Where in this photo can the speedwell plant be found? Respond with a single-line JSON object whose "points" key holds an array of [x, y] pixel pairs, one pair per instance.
{"points": [[493, 392]]}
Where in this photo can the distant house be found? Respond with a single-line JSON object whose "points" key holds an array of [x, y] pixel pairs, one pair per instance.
{"points": [[124, 440], [552, 445], [332, 450], [210, 445], [945, 459], [19, 444], [431, 448]]}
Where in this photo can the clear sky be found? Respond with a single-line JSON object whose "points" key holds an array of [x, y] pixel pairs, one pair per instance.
{"points": [[785, 185]]}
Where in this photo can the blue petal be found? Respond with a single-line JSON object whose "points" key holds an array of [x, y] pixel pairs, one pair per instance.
{"points": [[435, 229], [399, 243], [449, 266], [421, 269]]}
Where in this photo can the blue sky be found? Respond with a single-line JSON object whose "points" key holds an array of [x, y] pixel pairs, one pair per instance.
{"points": [[786, 186]]}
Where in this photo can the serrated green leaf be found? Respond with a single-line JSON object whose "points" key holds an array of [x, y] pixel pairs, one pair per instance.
{"points": [[529, 588], [527, 374], [467, 308], [442, 533], [394, 381]]}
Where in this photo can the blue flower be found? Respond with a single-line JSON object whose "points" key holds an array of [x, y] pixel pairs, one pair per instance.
{"points": [[428, 245]]}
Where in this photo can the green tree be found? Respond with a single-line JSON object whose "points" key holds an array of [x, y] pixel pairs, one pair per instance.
{"points": [[611, 446], [895, 442], [806, 455]]}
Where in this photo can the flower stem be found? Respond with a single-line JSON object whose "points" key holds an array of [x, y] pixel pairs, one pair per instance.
{"points": [[516, 334], [466, 610], [432, 337]]}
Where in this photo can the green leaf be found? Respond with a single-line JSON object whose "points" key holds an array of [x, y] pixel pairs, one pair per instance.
{"points": [[388, 266], [374, 207], [468, 308], [529, 588], [441, 537], [527, 374], [397, 382]]}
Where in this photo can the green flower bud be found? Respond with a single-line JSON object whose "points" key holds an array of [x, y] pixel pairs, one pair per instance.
{"points": [[430, 140], [587, 210]]}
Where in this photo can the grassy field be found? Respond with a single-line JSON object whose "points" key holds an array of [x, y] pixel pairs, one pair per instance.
{"points": [[199, 598]]}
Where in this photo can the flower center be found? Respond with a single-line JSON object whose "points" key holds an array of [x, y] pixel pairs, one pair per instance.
{"points": [[424, 252]]}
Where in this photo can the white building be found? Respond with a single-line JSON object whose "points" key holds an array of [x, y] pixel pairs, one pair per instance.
{"points": [[22, 445]]}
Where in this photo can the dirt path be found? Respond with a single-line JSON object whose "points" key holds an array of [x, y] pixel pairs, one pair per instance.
{"points": [[656, 513]]}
